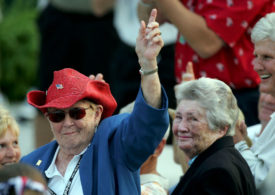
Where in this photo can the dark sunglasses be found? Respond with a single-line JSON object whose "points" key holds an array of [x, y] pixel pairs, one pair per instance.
{"points": [[75, 113]]}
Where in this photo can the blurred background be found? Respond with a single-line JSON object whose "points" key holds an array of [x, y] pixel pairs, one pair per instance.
{"points": [[19, 44]]}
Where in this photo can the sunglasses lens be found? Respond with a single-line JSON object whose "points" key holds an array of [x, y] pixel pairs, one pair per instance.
{"points": [[56, 116], [77, 113]]}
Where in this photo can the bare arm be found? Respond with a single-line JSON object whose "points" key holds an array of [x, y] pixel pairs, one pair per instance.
{"points": [[148, 46], [192, 26]]}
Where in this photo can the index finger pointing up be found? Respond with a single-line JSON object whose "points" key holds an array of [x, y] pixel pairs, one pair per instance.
{"points": [[153, 16]]}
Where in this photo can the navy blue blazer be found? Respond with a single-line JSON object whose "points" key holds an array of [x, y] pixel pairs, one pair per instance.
{"points": [[119, 147]]}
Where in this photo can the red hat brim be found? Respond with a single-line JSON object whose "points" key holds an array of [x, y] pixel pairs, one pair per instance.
{"points": [[96, 91]]}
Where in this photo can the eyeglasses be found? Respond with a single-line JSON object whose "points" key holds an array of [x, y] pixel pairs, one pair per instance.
{"points": [[75, 113]]}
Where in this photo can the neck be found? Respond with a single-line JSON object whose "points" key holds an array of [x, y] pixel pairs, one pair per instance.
{"points": [[62, 161], [149, 166]]}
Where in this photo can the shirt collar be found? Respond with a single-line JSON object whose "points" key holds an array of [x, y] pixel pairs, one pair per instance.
{"points": [[192, 160], [52, 170]]}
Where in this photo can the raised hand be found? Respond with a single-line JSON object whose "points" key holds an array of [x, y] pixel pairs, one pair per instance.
{"points": [[189, 74], [149, 42], [98, 77]]}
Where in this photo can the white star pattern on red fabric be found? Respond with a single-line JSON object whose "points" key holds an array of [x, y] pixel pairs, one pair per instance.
{"points": [[220, 67], [203, 74], [248, 82], [229, 3], [229, 22], [244, 24], [195, 58], [249, 5]]}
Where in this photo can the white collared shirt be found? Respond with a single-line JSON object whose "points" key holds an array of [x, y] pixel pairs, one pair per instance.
{"points": [[153, 184], [57, 182]]}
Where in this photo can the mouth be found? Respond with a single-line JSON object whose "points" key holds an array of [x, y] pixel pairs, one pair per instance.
{"points": [[265, 76], [8, 163], [70, 133]]}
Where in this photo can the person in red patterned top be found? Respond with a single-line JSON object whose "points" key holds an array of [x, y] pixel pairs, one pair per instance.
{"points": [[215, 36]]}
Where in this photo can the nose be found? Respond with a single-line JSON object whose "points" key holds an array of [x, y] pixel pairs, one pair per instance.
{"points": [[181, 127], [257, 64], [10, 152], [68, 121]]}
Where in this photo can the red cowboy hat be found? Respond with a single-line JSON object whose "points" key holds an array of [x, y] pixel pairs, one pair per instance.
{"points": [[70, 86]]}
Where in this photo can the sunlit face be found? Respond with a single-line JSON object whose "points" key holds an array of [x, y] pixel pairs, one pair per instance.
{"points": [[264, 65], [9, 148], [266, 107], [75, 135], [191, 129]]}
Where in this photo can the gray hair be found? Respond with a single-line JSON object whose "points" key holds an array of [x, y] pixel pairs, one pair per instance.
{"points": [[264, 28], [216, 98]]}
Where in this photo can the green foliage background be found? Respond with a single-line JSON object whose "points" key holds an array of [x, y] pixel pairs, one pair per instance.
{"points": [[19, 44]]}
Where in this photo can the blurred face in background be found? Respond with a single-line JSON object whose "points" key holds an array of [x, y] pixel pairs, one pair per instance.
{"points": [[266, 107], [9, 148]]}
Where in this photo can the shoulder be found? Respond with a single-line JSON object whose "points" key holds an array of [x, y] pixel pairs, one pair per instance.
{"points": [[40, 153]]}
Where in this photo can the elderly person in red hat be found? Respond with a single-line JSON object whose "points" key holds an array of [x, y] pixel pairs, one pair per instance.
{"points": [[95, 153]]}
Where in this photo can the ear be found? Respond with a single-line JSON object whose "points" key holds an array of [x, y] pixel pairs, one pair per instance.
{"points": [[98, 112], [223, 131], [160, 147]]}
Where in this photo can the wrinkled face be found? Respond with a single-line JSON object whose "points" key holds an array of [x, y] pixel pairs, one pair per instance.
{"points": [[266, 107], [72, 134], [191, 129], [264, 65], [9, 148]]}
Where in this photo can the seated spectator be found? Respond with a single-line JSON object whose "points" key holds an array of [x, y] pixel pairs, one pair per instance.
{"points": [[21, 179], [93, 151], [204, 124], [152, 182], [266, 107], [9, 133]]}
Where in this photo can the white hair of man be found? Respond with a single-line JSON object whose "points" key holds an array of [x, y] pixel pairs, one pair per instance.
{"points": [[264, 29], [216, 98]]}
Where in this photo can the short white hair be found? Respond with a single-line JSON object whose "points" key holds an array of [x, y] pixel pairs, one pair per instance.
{"points": [[264, 29], [215, 97]]}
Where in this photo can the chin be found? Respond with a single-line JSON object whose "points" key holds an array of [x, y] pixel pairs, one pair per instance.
{"points": [[267, 89]]}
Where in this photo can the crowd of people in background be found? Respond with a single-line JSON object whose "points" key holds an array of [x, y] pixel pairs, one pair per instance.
{"points": [[199, 73]]}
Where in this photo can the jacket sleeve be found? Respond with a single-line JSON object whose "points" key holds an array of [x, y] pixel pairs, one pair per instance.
{"points": [[139, 134]]}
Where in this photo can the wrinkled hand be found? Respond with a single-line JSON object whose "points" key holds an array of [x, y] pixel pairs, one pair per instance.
{"points": [[149, 42], [98, 77], [240, 131]]}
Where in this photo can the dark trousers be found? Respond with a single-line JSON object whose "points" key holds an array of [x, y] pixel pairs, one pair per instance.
{"points": [[248, 103], [125, 77], [80, 41]]}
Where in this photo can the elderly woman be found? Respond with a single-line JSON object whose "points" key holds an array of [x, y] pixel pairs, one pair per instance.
{"points": [[203, 126], [94, 152], [261, 156], [9, 133]]}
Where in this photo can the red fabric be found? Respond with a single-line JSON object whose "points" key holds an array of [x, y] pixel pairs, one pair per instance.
{"points": [[232, 20], [70, 86]]}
